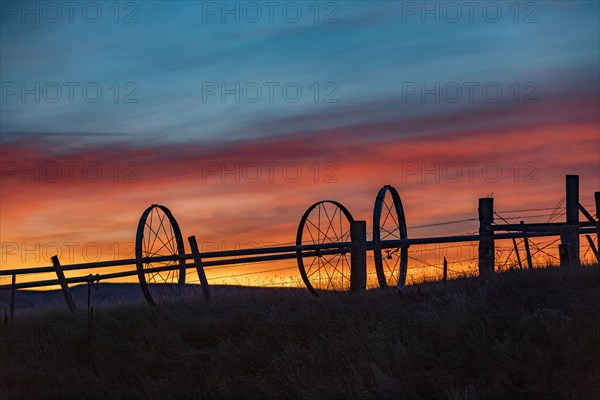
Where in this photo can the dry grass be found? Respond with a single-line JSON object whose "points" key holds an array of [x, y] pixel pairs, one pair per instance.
{"points": [[521, 335]]}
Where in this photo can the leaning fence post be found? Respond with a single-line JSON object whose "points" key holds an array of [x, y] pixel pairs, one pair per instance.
{"points": [[527, 249], [200, 268], [358, 256], [63, 284], [486, 236], [514, 241], [593, 247]]}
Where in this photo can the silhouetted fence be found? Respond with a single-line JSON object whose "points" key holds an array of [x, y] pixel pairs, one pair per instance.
{"points": [[331, 248]]}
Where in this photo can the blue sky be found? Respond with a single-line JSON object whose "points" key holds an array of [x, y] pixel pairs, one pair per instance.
{"points": [[378, 61], [176, 49]]}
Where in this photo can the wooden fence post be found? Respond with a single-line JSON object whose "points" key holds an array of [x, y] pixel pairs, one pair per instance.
{"points": [[12, 296], [570, 235], [486, 237], [358, 256], [445, 270], [563, 254], [63, 284], [200, 269]]}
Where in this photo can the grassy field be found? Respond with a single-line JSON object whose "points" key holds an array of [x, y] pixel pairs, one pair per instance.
{"points": [[519, 335]]}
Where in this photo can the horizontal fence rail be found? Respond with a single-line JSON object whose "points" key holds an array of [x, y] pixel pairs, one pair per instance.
{"points": [[341, 246], [260, 255]]}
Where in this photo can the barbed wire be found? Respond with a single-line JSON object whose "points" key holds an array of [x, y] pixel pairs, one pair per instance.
{"points": [[253, 273], [528, 216], [443, 223]]}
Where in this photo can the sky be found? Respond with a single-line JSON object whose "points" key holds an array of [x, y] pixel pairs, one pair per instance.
{"points": [[240, 115]]}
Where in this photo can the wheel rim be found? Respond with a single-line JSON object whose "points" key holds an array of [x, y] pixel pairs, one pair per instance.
{"points": [[158, 234], [389, 223], [323, 223]]}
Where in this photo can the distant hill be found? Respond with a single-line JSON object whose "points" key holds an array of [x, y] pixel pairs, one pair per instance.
{"points": [[106, 294]]}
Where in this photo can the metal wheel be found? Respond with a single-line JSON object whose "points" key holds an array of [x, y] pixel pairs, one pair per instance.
{"points": [[389, 224], [158, 235], [324, 222]]}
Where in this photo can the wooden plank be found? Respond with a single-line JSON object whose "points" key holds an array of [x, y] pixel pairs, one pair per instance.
{"points": [[200, 269], [517, 253], [542, 227], [358, 256], [586, 214], [593, 247], [527, 249], [63, 284]]}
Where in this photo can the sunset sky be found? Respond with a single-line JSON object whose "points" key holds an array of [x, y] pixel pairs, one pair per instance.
{"points": [[239, 119]]}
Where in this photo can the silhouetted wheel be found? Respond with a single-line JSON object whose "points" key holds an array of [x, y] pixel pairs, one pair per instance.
{"points": [[324, 222], [391, 263], [158, 235]]}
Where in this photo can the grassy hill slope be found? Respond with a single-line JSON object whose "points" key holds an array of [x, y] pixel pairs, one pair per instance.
{"points": [[520, 335]]}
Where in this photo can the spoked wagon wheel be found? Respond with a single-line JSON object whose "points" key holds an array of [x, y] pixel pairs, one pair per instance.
{"points": [[158, 235], [391, 263], [324, 222]]}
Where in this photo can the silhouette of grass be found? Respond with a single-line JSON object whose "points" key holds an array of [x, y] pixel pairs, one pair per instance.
{"points": [[525, 334]]}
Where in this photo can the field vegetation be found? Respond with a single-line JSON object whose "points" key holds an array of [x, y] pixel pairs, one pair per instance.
{"points": [[521, 334]]}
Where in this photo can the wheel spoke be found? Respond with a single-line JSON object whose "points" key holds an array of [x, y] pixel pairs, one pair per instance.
{"points": [[156, 237]]}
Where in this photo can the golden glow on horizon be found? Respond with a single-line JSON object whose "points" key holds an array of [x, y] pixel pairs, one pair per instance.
{"points": [[84, 222], [425, 264]]}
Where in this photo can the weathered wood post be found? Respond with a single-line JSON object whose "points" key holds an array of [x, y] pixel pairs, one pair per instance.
{"points": [[527, 249], [200, 269], [12, 296], [358, 256], [563, 255], [63, 284], [445, 270], [569, 235], [486, 237]]}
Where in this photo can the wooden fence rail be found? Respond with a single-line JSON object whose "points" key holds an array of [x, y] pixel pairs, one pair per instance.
{"points": [[488, 234]]}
